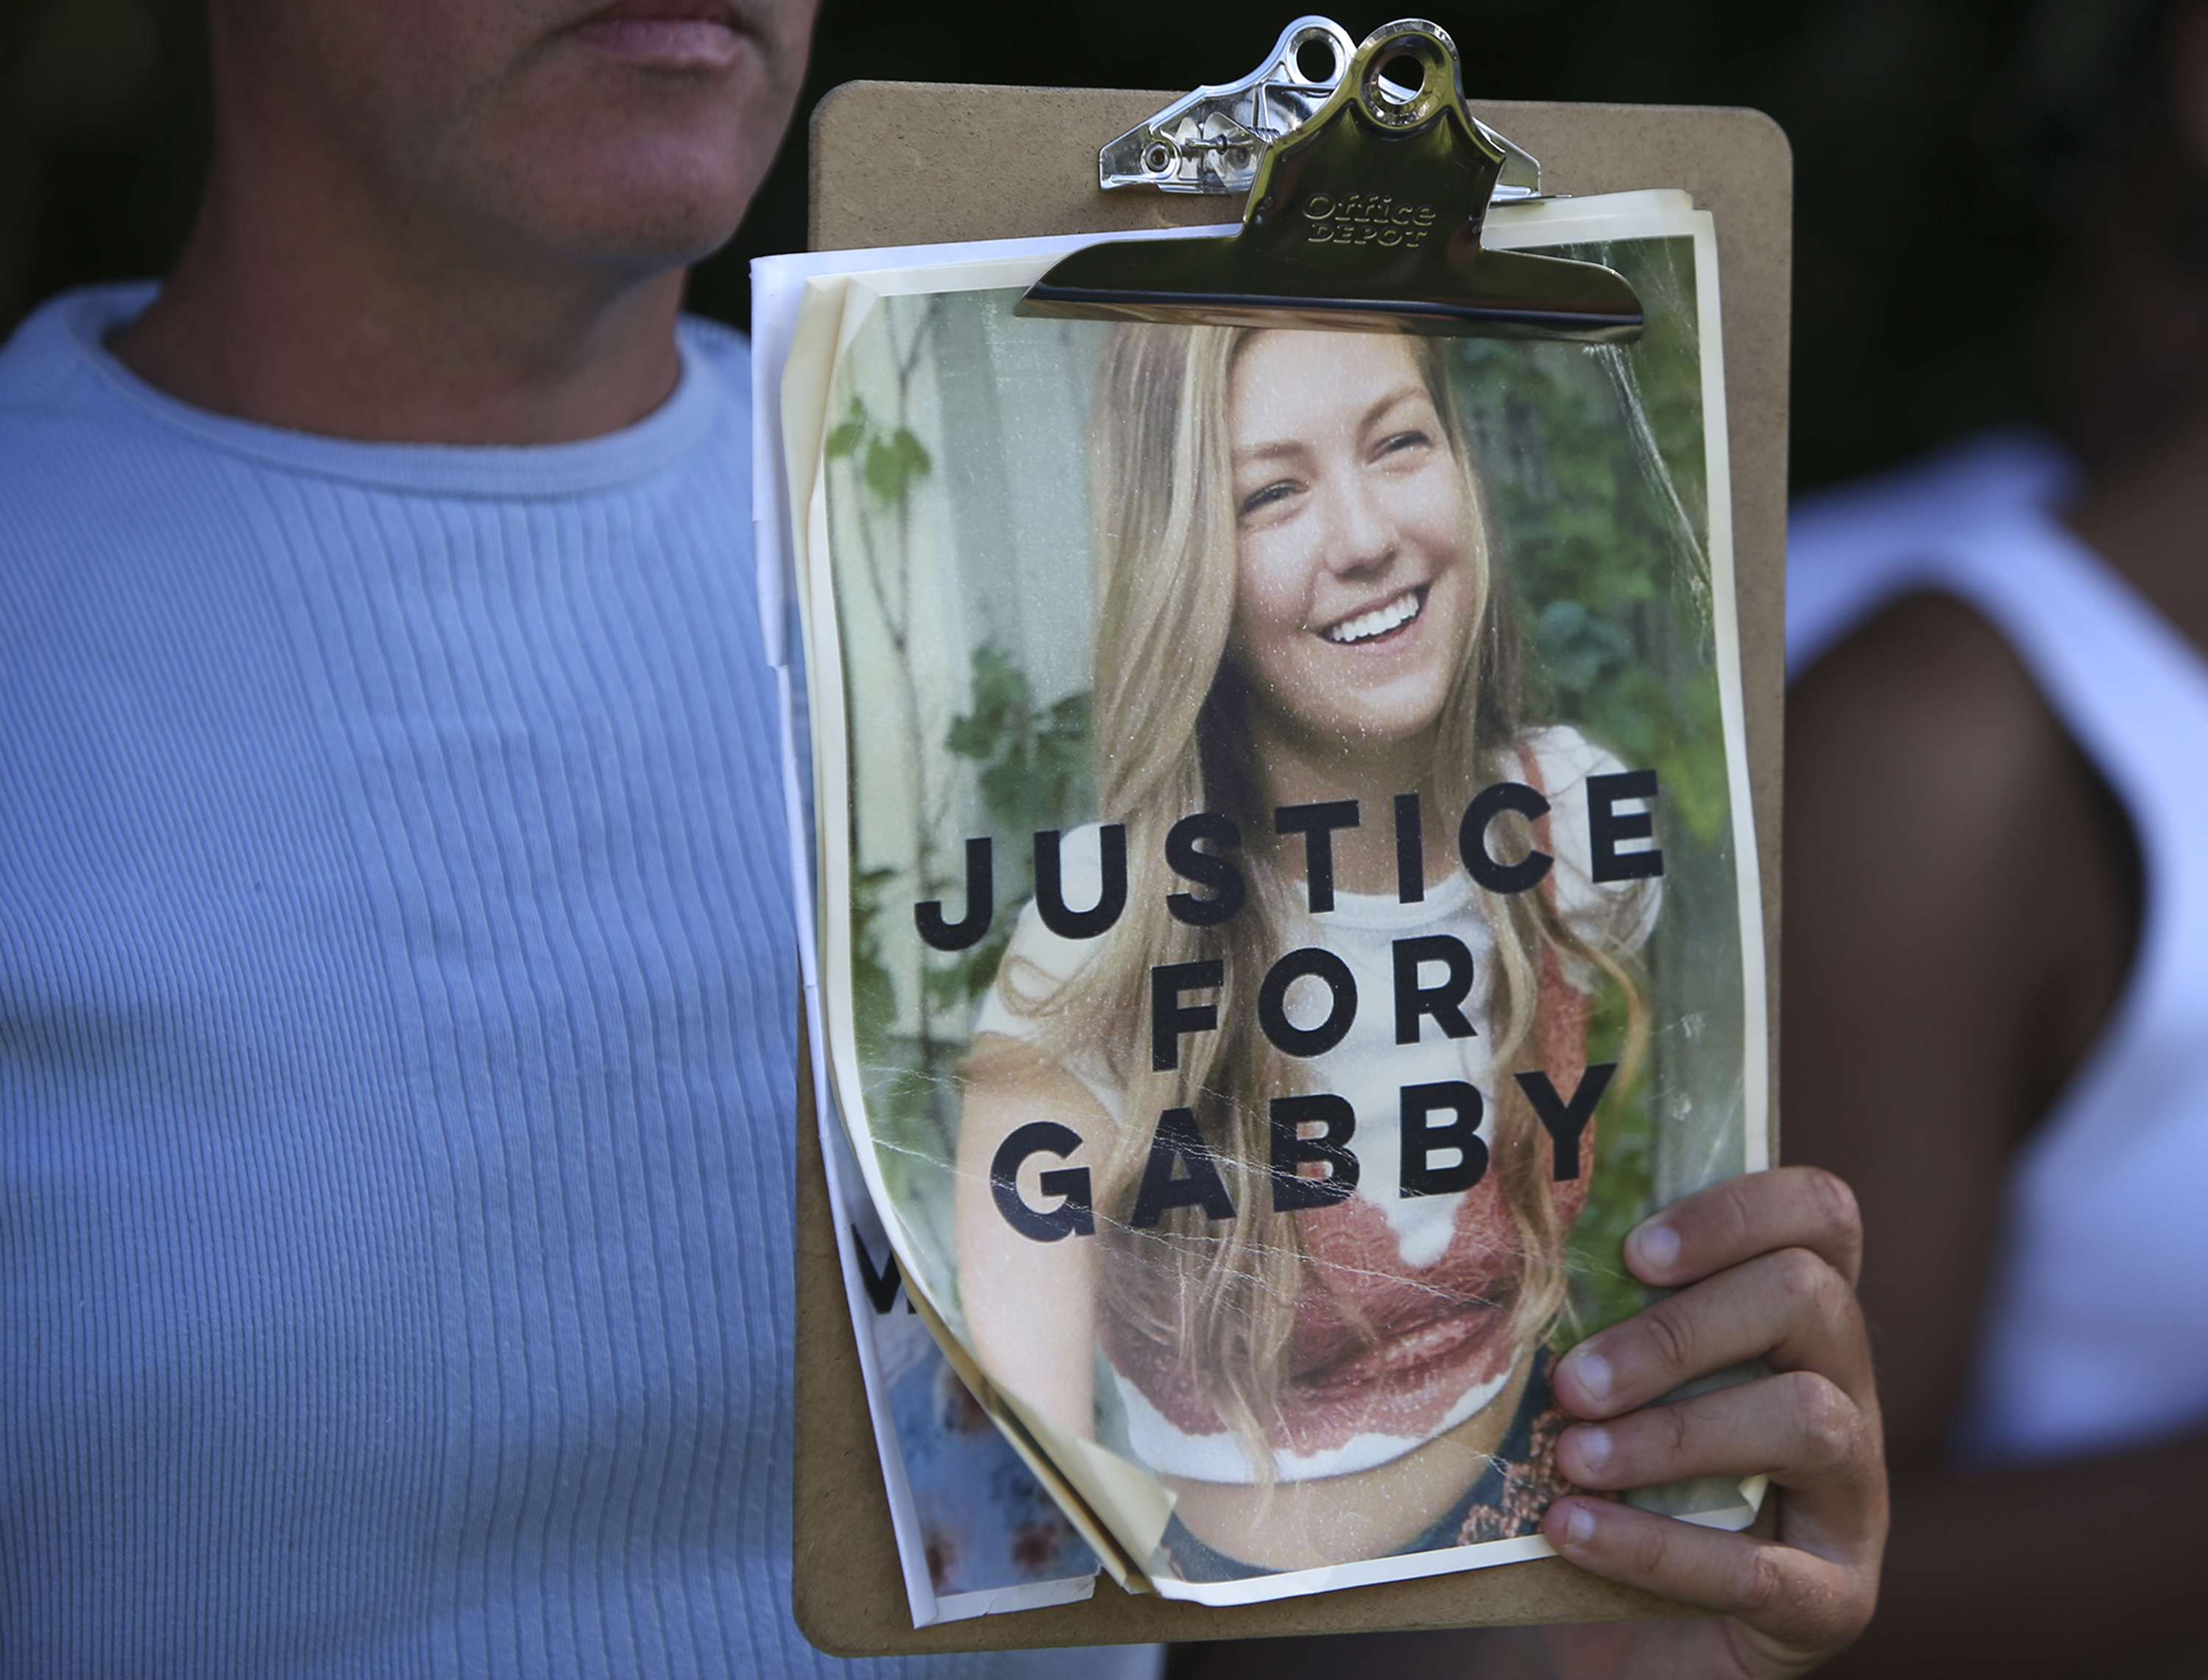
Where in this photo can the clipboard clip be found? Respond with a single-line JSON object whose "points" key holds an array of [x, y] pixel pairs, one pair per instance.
{"points": [[1211, 141], [1365, 214]]}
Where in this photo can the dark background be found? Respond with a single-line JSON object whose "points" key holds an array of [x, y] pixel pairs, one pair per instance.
{"points": [[1926, 206]]}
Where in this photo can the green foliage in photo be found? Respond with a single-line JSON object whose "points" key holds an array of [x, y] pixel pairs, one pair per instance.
{"points": [[890, 459], [1594, 520], [1034, 773], [1621, 1188], [1602, 529]]}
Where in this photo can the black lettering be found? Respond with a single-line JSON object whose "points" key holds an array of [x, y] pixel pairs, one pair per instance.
{"points": [[881, 1287], [1074, 1216], [1472, 838], [1410, 851], [1317, 964], [1170, 1017], [1566, 1123], [1444, 1001], [1607, 825], [1422, 1140], [1228, 890], [1317, 823], [1111, 898], [1179, 1142], [980, 905], [1291, 1191]]}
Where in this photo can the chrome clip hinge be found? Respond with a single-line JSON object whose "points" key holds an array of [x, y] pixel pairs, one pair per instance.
{"points": [[1212, 141]]}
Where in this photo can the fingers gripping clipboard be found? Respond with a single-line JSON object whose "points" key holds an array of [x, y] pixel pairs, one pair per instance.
{"points": [[902, 164]]}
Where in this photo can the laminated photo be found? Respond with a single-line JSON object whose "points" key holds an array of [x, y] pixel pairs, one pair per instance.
{"points": [[1283, 879]]}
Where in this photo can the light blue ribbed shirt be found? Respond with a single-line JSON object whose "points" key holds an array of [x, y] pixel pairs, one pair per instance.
{"points": [[397, 990]]}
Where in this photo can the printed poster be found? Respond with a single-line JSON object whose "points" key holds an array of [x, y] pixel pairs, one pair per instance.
{"points": [[1285, 889]]}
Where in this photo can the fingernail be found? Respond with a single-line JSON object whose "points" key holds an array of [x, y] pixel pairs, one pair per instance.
{"points": [[1591, 1372], [1578, 1524], [1593, 1448], [1657, 1249]]}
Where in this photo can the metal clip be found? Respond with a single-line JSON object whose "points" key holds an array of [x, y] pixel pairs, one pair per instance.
{"points": [[1212, 139], [1367, 214]]}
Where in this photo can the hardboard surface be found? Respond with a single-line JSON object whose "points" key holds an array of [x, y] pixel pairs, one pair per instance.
{"points": [[916, 163]]}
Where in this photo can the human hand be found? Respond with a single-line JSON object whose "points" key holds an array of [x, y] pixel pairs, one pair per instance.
{"points": [[1765, 1266]]}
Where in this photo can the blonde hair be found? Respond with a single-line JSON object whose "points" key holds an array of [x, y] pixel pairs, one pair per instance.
{"points": [[1170, 738]]}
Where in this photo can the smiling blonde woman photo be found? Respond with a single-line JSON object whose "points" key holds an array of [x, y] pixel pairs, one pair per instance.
{"points": [[1298, 622]]}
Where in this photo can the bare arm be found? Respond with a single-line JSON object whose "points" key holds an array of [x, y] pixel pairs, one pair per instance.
{"points": [[1030, 1306], [1955, 935], [1958, 927]]}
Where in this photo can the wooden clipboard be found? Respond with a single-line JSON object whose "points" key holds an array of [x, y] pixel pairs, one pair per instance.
{"points": [[915, 163]]}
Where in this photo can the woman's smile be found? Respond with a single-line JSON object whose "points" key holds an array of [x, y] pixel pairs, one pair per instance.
{"points": [[1380, 623]]}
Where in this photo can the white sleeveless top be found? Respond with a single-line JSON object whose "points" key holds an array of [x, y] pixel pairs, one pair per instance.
{"points": [[2096, 1328]]}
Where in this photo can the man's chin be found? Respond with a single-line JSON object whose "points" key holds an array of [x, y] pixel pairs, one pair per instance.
{"points": [[636, 200], [643, 235]]}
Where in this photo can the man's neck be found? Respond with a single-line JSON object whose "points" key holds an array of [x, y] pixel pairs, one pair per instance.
{"points": [[325, 317]]}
